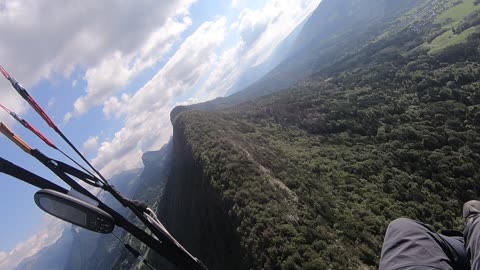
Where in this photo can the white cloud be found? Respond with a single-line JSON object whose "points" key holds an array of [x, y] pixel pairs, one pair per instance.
{"points": [[90, 145], [117, 70], [194, 67], [12, 101], [50, 232], [42, 37], [51, 102], [187, 102], [183, 70], [113, 106], [147, 112], [240, 4], [282, 17], [225, 72], [251, 25], [110, 76], [67, 117], [261, 31]]}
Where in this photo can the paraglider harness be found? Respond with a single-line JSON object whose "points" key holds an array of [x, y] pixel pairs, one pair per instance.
{"points": [[160, 241]]}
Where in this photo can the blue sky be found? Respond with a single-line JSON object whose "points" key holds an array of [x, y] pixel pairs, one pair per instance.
{"points": [[110, 73]]}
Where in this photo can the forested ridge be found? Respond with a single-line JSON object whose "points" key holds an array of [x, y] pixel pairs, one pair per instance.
{"points": [[311, 176]]}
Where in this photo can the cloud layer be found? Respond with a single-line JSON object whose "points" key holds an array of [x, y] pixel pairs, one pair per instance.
{"points": [[56, 36], [114, 46], [90, 146], [147, 124], [117, 70], [201, 69], [41, 37]]}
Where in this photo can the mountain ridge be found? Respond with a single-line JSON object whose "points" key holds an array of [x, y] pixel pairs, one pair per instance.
{"points": [[310, 176], [330, 46]]}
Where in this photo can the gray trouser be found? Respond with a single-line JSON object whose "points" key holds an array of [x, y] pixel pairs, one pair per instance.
{"points": [[412, 245]]}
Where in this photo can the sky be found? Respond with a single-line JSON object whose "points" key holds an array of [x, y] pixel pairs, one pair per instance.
{"points": [[109, 73]]}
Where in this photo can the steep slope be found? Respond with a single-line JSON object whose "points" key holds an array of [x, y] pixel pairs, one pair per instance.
{"points": [[193, 212], [335, 29], [309, 177], [335, 18]]}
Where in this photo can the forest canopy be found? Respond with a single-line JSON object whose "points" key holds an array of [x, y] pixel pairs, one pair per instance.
{"points": [[312, 175]]}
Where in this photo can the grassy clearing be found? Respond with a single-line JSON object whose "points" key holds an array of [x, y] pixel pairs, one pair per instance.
{"points": [[456, 14], [448, 39]]}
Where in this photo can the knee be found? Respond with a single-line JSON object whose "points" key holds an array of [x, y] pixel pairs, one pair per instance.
{"points": [[405, 226], [401, 223]]}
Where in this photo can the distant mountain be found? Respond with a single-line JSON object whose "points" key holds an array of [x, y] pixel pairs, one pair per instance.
{"points": [[282, 51], [52, 257], [333, 19], [334, 30]]}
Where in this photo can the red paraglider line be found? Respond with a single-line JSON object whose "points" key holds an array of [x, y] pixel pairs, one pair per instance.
{"points": [[23, 92], [28, 98], [5, 73], [42, 137], [6, 109], [30, 127], [41, 112]]}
